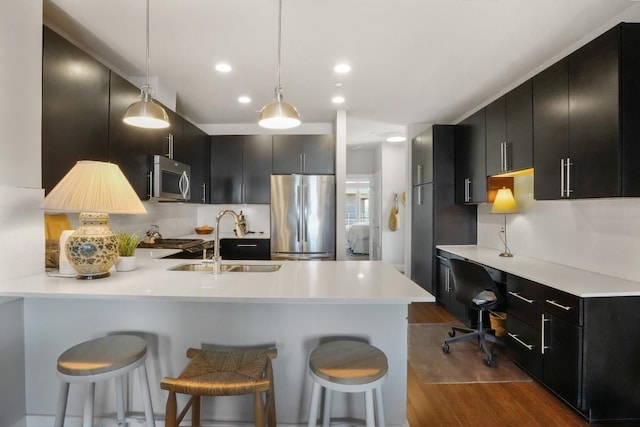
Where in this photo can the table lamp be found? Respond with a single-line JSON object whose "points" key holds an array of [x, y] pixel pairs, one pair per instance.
{"points": [[504, 203], [95, 189]]}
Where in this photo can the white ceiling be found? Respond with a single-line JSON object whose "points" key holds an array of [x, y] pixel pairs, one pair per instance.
{"points": [[413, 61]]}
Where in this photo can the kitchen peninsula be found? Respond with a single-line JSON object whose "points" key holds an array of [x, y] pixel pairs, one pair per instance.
{"points": [[292, 308]]}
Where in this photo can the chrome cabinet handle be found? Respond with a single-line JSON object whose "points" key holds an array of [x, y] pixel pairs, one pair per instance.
{"points": [[562, 193], [419, 173], [150, 184], [517, 295], [555, 304], [524, 344], [467, 190], [247, 246], [204, 192], [419, 195], [170, 153], [507, 165], [447, 283], [569, 164], [440, 257], [503, 156], [543, 320]]}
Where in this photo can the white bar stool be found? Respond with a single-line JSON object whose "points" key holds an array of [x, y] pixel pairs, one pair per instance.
{"points": [[348, 367], [98, 360]]}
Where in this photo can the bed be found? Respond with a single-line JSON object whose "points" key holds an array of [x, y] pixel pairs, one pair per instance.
{"points": [[358, 238]]}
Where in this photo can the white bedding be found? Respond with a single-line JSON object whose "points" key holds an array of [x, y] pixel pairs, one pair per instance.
{"points": [[358, 238]]}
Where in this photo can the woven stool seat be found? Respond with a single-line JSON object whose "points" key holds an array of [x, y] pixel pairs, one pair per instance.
{"points": [[223, 373]]}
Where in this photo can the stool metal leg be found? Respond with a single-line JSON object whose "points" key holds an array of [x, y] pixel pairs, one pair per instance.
{"points": [[87, 416], [368, 400], [326, 413], [120, 413], [315, 402], [379, 406], [146, 395], [61, 410]]}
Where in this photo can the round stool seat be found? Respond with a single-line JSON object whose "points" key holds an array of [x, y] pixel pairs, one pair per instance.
{"points": [[102, 355], [348, 362]]}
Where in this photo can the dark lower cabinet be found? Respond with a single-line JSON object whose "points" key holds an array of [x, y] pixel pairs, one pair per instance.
{"points": [[445, 291], [75, 108], [247, 249]]}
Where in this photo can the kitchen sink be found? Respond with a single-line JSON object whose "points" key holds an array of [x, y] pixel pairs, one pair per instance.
{"points": [[231, 268], [172, 243]]}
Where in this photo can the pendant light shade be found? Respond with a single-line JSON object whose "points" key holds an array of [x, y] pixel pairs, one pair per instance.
{"points": [[146, 113], [279, 114]]}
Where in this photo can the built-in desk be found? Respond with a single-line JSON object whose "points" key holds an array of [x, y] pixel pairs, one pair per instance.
{"points": [[574, 331]]}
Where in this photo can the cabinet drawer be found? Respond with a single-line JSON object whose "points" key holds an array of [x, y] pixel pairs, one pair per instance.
{"points": [[524, 345], [563, 305], [524, 299], [248, 249]]}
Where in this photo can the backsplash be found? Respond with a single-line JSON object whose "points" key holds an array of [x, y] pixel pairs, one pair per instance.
{"points": [[599, 235], [258, 218]]}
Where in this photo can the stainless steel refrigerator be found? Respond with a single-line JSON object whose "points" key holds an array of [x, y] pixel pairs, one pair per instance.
{"points": [[303, 217]]}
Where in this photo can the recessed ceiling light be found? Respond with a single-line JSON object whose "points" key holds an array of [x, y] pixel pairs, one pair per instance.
{"points": [[223, 67], [337, 99], [338, 84], [244, 99], [396, 139], [342, 68]]}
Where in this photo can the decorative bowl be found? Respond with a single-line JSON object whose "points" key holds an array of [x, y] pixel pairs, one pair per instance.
{"points": [[205, 229]]}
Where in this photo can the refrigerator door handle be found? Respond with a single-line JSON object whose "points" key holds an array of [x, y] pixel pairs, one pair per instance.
{"points": [[305, 237], [299, 206]]}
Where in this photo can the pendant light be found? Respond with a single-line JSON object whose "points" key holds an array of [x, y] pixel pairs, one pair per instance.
{"points": [[146, 113], [279, 114]]}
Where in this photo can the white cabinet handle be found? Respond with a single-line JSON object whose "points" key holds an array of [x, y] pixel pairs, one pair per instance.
{"points": [[524, 344], [555, 304], [517, 295]]}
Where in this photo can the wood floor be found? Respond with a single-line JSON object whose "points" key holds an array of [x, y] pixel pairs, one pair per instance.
{"points": [[516, 404]]}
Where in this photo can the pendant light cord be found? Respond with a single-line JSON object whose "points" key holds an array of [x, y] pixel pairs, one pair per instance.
{"points": [[147, 84], [278, 88]]}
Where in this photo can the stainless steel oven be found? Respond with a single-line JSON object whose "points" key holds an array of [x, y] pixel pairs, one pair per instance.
{"points": [[171, 179]]}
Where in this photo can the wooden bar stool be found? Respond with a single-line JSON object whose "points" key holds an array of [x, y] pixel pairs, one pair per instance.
{"points": [[348, 367], [223, 373], [98, 360]]}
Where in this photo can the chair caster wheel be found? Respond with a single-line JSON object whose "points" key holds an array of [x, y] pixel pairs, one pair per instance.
{"points": [[445, 348], [489, 362], [452, 333]]}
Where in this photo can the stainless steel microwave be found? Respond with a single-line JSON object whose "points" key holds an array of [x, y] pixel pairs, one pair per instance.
{"points": [[171, 179]]}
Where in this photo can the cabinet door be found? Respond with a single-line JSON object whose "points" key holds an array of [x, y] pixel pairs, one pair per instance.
{"points": [[226, 169], [193, 149], [287, 154], [524, 345], [130, 147], [594, 118], [256, 169], [422, 158], [550, 129], [422, 237], [443, 282], [471, 177], [496, 129], [75, 108], [562, 358], [319, 154], [519, 149]]}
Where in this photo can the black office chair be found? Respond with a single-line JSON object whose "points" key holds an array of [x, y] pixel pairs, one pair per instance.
{"points": [[474, 288]]}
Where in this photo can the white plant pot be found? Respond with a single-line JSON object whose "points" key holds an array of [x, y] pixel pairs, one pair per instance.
{"points": [[126, 263]]}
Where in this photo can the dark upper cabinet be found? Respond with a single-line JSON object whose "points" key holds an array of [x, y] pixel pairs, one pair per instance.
{"points": [[586, 125], [193, 149], [470, 166], [75, 105], [550, 130], [240, 169], [422, 159], [304, 154], [509, 131], [130, 147]]}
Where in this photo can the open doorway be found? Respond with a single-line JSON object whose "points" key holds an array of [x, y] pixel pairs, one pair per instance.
{"points": [[358, 216]]}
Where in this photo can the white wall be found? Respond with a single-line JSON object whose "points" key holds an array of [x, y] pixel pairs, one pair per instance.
{"points": [[600, 235], [21, 220], [361, 161]]}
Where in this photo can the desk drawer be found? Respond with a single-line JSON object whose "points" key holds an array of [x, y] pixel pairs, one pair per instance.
{"points": [[524, 345], [563, 305], [524, 299]]}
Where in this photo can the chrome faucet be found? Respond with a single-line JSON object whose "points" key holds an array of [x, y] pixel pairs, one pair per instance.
{"points": [[240, 228]]}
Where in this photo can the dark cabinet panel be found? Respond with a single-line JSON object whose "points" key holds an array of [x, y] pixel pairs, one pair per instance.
{"points": [[445, 292], [246, 249], [550, 130], [130, 147], [422, 159], [241, 169], [422, 237], [75, 108], [304, 154], [193, 149], [509, 121], [470, 160]]}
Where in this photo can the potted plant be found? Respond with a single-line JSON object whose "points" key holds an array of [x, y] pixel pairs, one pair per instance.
{"points": [[127, 243]]}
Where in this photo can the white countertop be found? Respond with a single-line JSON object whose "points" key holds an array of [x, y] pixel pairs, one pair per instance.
{"points": [[574, 281], [335, 282]]}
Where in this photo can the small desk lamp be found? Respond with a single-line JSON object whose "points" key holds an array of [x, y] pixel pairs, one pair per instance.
{"points": [[95, 189], [504, 203]]}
